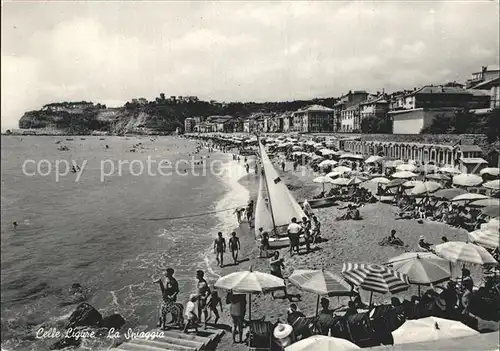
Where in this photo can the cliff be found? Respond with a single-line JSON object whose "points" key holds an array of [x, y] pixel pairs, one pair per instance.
{"points": [[155, 117]]}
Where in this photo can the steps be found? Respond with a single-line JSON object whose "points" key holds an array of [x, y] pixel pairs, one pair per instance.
{"points": [[175, 340]]}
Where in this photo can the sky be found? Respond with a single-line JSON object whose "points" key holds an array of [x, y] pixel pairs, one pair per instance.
{"points": [[111, 52]]}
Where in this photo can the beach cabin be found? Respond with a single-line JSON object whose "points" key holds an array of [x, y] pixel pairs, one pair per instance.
{"points": [[472, 164]]}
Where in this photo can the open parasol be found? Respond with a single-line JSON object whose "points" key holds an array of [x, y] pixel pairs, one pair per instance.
{"points": [[467, 179]]}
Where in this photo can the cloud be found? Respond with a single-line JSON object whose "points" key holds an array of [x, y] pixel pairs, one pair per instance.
{"points": [[250, 51]]}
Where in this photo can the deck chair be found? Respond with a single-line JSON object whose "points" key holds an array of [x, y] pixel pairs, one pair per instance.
{"points": [[304, 327], [260, 335], [359, 328]]}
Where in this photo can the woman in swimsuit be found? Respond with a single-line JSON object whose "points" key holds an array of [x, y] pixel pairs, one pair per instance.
{"points": [[169, 292]]}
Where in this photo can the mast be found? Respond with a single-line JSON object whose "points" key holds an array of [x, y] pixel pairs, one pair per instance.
{"points": [[267, 189]]}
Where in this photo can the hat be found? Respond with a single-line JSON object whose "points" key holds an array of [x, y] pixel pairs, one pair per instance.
{"points": [[282, 331]]}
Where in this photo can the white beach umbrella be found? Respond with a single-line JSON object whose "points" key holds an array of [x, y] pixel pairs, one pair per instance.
{"points": [[430, 329], [325, 152], [421, 267], [296, 148], [310, 143], [393, 163], [374, 159], [318, 146], [425, 188], [458, 251], [342, 169], [490, 170], [467, 179], [492, 184], [493, 223], [469, 197], [403, 175], [334, 174], [449, 170], [322, 343], [380, 180], [406, 167], [351, 156], [449, 194], [437, 176], [327, 163], [323, 180], [487, 238], [347, 181], [412, 183], [485, 202]]}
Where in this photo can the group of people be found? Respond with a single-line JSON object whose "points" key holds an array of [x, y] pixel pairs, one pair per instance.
{"points": [[249, 213], [309, 229], [220, 248], [204, 302]]}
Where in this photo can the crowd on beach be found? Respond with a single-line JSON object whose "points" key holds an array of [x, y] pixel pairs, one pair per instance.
{"points": [[415, 195]]}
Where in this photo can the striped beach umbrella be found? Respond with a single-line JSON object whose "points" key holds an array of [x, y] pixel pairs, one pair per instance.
{"points": [[487, 237], [375, 278], [467, 179], [458, 251], [320, 282]]}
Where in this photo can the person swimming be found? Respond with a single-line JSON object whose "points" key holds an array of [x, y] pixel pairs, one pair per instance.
{"points": [[14, 224]]}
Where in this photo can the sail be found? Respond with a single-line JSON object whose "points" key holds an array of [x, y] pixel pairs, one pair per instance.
{"points": [[262, 213], [284, 206]]}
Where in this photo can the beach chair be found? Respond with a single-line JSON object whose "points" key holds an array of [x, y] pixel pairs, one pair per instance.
{"points": [[260, 335], [304, 327], [359, 329]]}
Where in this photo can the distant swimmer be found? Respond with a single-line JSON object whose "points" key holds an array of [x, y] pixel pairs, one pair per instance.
{"points": [[14, 224]]}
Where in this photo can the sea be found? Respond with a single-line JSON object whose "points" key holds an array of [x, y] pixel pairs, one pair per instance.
{"points": [[110, 228]]}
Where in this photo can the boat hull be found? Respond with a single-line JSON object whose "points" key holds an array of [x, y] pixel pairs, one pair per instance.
{"points": [[284, 241], [323, 202]]}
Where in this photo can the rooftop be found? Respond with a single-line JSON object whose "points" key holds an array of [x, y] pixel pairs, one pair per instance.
{"points": [[470, 148], [440, 89], [487, 84], [472, 160], [316, 108]]}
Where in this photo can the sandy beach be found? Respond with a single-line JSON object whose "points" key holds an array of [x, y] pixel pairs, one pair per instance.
{"points": [[346, 241]]}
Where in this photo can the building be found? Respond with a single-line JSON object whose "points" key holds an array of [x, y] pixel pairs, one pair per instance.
{"points": [[413, 121], [349, 118], [480, 99], [189, 124], [486, 74], [492, 87], [377, 107], [313, 119], [424, 153], [222, 123], [346, 101]]}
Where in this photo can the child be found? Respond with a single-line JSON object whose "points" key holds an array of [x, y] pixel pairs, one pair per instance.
{"points": [[191, 317], [212, 303]]}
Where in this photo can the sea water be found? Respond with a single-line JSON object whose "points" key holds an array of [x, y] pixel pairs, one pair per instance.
{"points": [[110, 235]]}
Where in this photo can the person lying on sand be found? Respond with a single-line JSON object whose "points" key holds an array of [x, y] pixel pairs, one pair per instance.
{"points": [[393, 240], [423, 244], [352, 213]]}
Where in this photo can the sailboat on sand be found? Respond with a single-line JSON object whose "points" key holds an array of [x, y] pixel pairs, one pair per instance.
{"points": [[275, 205]]}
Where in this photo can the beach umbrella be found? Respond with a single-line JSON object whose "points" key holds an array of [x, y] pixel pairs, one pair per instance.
{"points": [[325, 152], [317, 157], [342, 169], [425, 188], [322, 343], [437, 176], [374, 159], [458, 251], [318, 146], [403, 175], [430, 329], [492, 184], [485, 202], [296, 148], [428, 168], [406, 167], [351, 156], [449, 194], [375, 278], [323, 180], [493, 171], [393, 163], [395, 182], [491, 211], [320, 282], [493, 223], [341, 181], [422, 268], [249, 282], [310, 143], [327, 163], [467, 179], [380, 180], [469, 197], [487, 238], [334, 174], [449, 170], [412, 183]]}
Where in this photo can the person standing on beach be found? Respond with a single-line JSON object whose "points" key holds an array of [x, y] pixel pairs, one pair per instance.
{"points": [[203, 294], [237, 310], [306, 229], [247, 167], [250, 213], [219, 249], [277, 264], [238, 213], [264, 242], [234, 246], [283, 165], [293, 235], [169, 292], [191, 317]]}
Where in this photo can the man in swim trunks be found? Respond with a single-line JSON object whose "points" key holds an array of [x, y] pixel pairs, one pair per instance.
{"points": [[169, 292], [203, 294], [234, 246], [220, 248]]}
